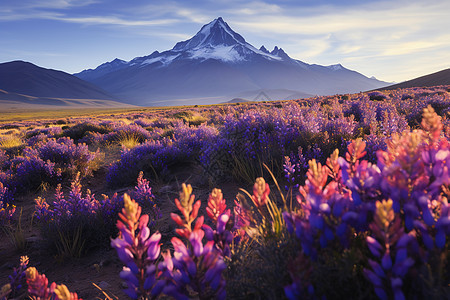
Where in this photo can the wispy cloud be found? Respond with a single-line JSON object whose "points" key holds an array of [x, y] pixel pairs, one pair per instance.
{"points": [[364, 35], [111, 20]]}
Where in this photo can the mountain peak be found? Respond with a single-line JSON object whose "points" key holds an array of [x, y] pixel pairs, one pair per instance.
{"points": [[215, 33], [280, 53], [263, 49]]}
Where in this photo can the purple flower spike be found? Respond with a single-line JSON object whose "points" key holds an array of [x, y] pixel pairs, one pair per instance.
{"points": [[222, 222], [137, 249], [154, 248], [196, 242], [386, 261], [374, 246]]}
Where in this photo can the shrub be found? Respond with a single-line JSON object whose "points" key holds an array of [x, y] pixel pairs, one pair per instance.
{"points": [[254, 138], [377, 96], [78, 131], [158, 157], [30, 172], [69, 158], [151, 157], [77, 223]]}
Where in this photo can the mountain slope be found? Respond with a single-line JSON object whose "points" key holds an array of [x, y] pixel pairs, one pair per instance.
{"points": [[438, 78], [26, 78], [218, 62]]}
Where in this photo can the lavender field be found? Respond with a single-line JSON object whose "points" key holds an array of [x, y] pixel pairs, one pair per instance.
{"points": [[331, 197]]}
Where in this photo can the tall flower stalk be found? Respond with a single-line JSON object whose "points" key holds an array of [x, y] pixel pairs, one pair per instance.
{"points": [[137, 249]]}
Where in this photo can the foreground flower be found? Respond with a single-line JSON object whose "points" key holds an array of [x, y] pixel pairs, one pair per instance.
{"points": [[189, 212], [261, 192], [136, 249], [196, 266], [390, 247], [38, 288]]}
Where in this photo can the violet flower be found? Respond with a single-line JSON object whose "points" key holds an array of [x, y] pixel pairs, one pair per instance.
{"points": [[137, 250], [390, 246]]}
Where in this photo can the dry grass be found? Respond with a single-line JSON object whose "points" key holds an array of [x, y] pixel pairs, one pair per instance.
{"points": [[10, 142], [129, 140]]}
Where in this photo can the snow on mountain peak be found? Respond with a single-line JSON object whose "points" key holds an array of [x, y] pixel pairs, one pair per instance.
{"points": [[216, 40], [336, 67], [222, 52], [215, 33]]}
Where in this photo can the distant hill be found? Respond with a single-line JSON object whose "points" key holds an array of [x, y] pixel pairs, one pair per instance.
{"points": [[13, 101], [237, 100], [25, 78], [434, 79]]}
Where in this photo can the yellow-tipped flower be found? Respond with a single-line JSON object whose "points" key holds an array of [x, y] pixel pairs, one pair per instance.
{"points": [[384, 212], [185, 195], [131, 209], [6, 289], [431, 121], [24, 260], [260, 185], [62, 292], [314, 168], [261, 192], [334, 156], [31, 273]]}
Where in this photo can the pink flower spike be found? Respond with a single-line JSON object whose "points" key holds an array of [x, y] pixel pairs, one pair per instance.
{"points": [[195, 209], [199, 223], [177, 219], [216, 204]]}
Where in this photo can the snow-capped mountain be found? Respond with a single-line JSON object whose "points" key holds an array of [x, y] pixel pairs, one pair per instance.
{"points": [[214, 65]]}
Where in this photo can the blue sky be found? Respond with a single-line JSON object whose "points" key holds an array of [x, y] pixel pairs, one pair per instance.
{"points": [[391, 40]]}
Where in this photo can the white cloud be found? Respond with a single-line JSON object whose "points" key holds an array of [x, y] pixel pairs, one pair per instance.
{"points": [[381, 38], [110, 20]]}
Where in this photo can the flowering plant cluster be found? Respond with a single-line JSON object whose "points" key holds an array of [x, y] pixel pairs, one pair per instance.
{"points": [[38, 287], [157, 156], [401, 203], [195, 267], [78, 131], [372, 171], [6, 212], [68, 157], [16, 280], [47, 161], [142, 193], [78, 221]]}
